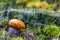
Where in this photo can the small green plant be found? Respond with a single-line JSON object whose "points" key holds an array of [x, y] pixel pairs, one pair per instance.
{"points": [[51, 31], [41, 37], [4, 22], [18, 38]]}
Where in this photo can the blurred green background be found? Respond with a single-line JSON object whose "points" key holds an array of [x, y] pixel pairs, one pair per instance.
{"points": [[45, 4]]}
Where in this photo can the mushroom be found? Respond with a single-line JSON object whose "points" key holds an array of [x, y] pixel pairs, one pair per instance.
{"points": [[15, 25]]}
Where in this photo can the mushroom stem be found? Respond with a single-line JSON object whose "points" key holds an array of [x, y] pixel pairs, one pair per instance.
{"points": [[13, 31]]}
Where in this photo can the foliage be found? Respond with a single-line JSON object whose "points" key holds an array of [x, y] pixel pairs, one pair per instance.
{"points": [[41, 37], [36, 23], [51, 31], [51, 1], [4, 22], [18, 38], [6, 4], [58, 1]]}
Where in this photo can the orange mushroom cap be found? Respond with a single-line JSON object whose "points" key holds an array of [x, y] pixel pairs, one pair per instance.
{"points": [[17, 23]]}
